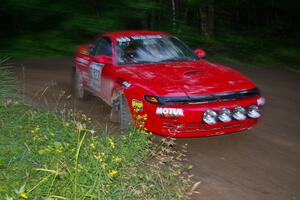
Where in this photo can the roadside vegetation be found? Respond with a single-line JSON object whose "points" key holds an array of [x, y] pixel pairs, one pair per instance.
{"points": [[230, 48], [250, 32], [48, 156], [254, 52]]}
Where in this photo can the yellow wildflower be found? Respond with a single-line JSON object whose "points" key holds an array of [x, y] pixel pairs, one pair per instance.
{"points": [[111, 142], [85, 118], [36, 129], [99, 157], [139, 117], [37, 138], [93, 146], [23, 195], [112, 172], [117, 159], [145, 117], [80, 126]]}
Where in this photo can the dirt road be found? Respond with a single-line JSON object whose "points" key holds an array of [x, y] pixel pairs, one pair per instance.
{"points": [[263, 163]]}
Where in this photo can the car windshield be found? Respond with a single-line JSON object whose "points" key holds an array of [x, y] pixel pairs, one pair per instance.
{"points": [[152, 49]]}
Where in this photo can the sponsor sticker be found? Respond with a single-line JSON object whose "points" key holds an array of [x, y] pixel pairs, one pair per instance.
{"points": [[126, 84], [136, 104], [95, 75], [169, 112]]}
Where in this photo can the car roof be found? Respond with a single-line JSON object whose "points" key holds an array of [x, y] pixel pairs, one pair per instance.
{"points": [[129, 33]]}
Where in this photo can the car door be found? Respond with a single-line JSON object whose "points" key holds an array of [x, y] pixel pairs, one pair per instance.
{"points": [[102, 47]]}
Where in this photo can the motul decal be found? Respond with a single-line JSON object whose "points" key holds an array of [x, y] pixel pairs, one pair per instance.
{"points": [[176, 112]]}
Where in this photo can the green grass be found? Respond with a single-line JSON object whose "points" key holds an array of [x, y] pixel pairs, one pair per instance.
{"points": [[43, 155], [46, 156]]}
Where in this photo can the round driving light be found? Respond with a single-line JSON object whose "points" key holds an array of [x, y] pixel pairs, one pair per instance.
{"points": [[254, 111], [210, 117], [224, 115], [239, 113]]}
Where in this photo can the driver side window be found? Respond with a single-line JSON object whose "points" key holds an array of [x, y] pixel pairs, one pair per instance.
{"points": [[102, 46]]}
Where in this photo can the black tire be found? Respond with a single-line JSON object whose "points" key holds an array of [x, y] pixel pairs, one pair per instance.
{"points": [[78, 88], [125, 118]]}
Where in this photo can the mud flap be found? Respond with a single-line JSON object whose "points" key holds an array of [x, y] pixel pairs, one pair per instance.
{"points": [[78, 88], [125, 117]]}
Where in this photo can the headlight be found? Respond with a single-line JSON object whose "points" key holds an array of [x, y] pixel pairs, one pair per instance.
{"points": [[239, 113], [210, 117], [254, 111], [225, 115]]}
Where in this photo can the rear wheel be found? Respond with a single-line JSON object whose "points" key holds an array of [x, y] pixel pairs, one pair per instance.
{"points": [[78, 86]]}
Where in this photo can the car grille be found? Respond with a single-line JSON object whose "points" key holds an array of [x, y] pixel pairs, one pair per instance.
{"points": [[210, 98]]}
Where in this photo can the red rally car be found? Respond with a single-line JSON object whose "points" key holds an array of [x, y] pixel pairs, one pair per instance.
{"points": [[158, 76]]}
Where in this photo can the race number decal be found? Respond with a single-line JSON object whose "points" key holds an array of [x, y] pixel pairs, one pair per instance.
{"points": [[95, 76]]}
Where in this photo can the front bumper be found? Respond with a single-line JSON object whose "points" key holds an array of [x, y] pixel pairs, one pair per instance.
{"points": [[191, 124]]}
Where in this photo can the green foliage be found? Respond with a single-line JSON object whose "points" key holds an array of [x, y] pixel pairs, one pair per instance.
{"points": [[255, 51], [255, 31], [29, 45], [45, 156]]}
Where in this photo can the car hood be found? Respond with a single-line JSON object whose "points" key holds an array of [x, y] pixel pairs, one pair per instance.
{"points": [[188, 78]]}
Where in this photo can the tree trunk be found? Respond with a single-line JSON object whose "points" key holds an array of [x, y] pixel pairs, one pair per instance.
{"points": [[173, 16], [203, 22], [207, 16], [211, 18], [237, 12]]}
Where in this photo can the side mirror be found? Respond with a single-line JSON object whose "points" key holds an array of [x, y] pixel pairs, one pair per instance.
{"points": [[200, 53], [106, 60]]}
